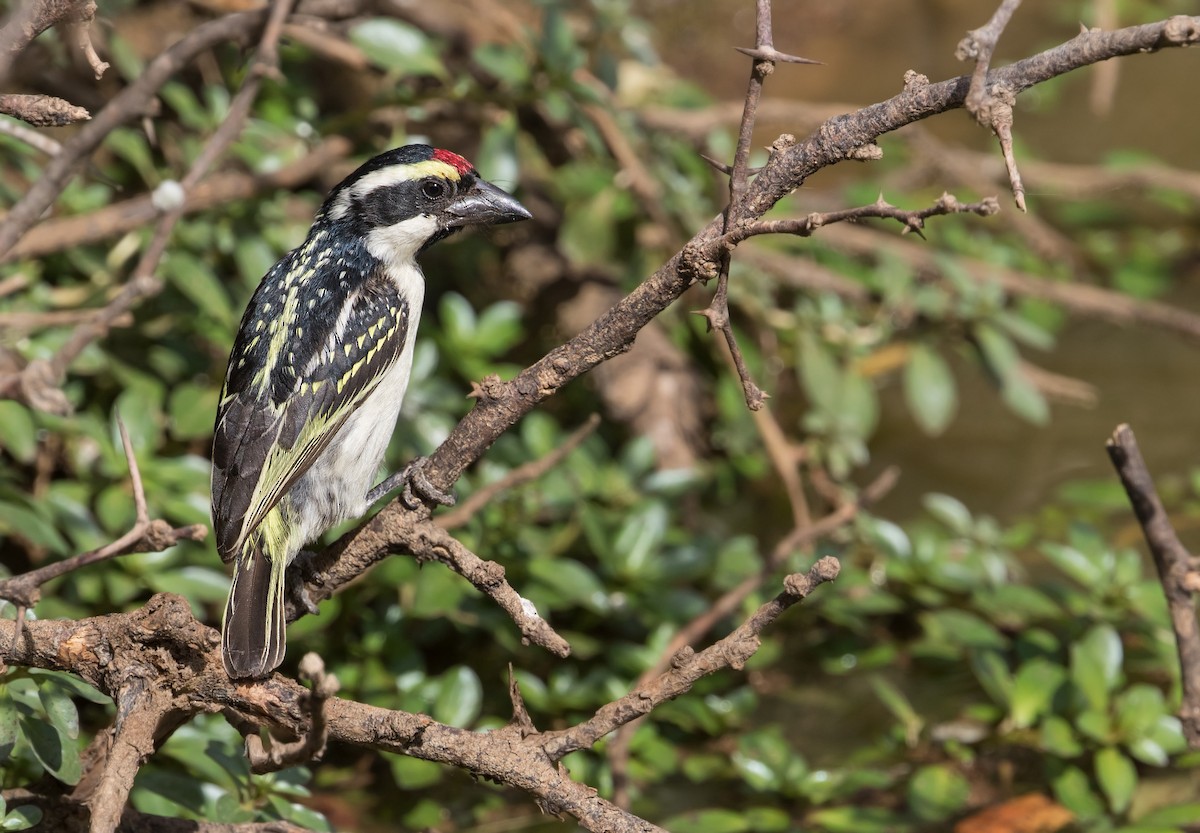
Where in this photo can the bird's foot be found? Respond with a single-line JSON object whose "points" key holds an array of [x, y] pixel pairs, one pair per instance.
{"points": [[417, 488], [298, 579]]}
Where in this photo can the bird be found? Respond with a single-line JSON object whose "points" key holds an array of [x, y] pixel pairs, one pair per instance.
{"points": [[317, 374]]}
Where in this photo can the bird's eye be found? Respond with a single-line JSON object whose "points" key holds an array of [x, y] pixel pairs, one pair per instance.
{"points": [[432, 188]]}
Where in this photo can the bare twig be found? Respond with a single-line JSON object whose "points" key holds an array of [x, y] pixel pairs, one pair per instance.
{"points": [[525, 473], [978, 46], [146, 535], [912, 220], [129, 104], [221, 188], [503, 404], [993, 107], [1075, 298], [311, 746], [30, 137], [717, 312], [38, 380], [1175, 570], [695, 630], [42, 110], [425, 540], [29, 19], [687, 666]]}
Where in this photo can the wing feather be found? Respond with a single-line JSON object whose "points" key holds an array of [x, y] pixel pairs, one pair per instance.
{"points": [[275, 420]]}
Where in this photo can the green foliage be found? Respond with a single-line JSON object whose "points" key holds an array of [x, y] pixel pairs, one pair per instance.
{"points": [[951, 644]]}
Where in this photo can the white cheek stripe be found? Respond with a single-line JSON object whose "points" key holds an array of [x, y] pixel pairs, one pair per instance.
{"points": [[399, 243], [392, 175]]}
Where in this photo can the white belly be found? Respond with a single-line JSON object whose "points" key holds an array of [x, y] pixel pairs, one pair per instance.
{"points": [[335, 488]]}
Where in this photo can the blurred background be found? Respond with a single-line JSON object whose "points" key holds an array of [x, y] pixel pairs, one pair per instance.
{"points": [[996, 647]]}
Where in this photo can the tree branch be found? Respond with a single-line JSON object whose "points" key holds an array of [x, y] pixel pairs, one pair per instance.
{"points": [[1176, 572]]}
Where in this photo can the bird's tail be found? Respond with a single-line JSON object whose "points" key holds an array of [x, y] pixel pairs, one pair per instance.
{"points": [[253, 635]]}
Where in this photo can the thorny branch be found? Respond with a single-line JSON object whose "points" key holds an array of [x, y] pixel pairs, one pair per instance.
{"points": [[992, 106], [717, 313], [1176, 570], [164, 645], [169, 653]]}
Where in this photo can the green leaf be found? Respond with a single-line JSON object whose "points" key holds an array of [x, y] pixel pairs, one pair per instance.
{"points": [[1180, 814], [21, 818], [960, 627], [1096, 665], [18, 433], [709, 821], [929, 390], [397, 46], [1025, 400], [190, 410], [1034, 686], [497, 155], [640, 538], [993, 674], [459, 697], [858, 820], [1073, 791], [53, 750], [767, 819], [950, 511], [1071, 561], [1058, 738], [10, 727], [1002, 358], [413, 773], [1117, 776], [507, 63], [896, 703], [570, 581], [937, 792], [304, 817], [1138, 710], [820, 373], [195, 281], [18, 520], [60, 709]]}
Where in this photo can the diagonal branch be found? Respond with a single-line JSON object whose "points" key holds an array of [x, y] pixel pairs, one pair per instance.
{"points": [[501, 405], [1176, 572], [687, 666]]}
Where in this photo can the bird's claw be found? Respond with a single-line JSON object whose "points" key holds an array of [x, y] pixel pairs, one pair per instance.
{"points": [[417, 488]]}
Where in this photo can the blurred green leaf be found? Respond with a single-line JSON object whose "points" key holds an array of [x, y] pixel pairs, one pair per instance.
{"points": [[398, 46], [950, 511], [1073, 791], [18, 433], [21, 818], [459, 697], [1059, 739], [1117, 776], [936, 793], [1034, 686], [858, 820], [709, 821], [1096, 665], [190, 409], [929, 389]]}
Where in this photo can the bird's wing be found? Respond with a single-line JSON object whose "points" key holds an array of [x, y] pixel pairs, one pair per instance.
{"points": [[276, 418]]}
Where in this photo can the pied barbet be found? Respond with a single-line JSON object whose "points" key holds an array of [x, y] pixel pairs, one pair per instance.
{"points": [[317, 375]]}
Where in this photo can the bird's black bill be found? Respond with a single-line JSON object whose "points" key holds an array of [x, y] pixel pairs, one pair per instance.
{"points": [[484, 205]]}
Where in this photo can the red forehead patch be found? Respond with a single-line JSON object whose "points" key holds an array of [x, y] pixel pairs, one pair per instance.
{"points": [[453, 160]]}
